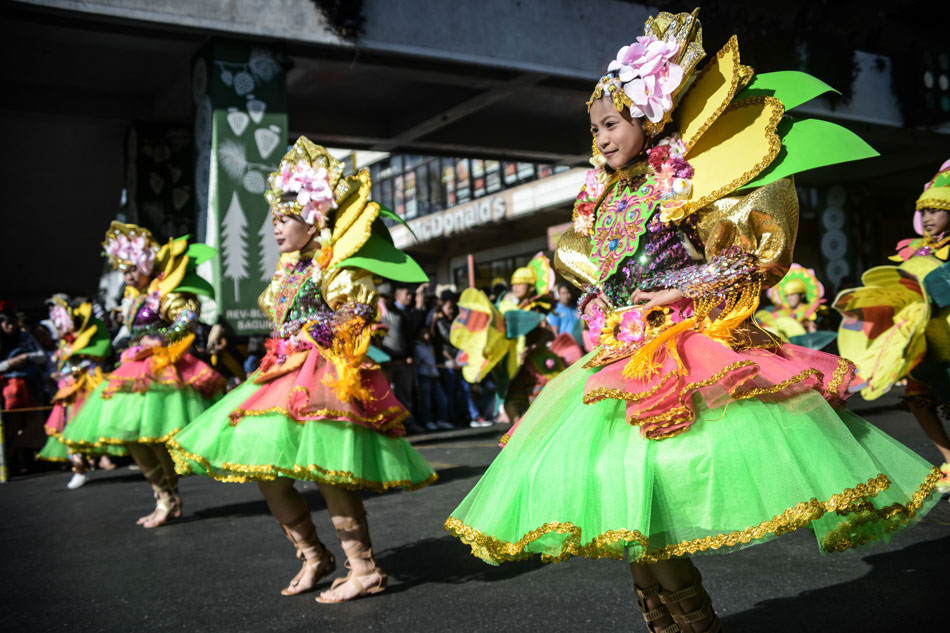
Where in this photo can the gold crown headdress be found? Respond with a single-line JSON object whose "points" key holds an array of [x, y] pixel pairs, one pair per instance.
{"points": [[353, 214], [308, 183], [649, 75], [130, 247]]}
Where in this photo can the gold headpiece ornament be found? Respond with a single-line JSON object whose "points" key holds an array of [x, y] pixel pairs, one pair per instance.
{"points": [[309, 183], [936, 193], [130, 247], [524, 275], [649, 75]]}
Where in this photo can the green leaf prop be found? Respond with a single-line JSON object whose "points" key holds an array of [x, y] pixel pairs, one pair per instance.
{"points": [[196, 285], [808, 144], [520, 322], [381, 258], [937, 283], [791, 87], [200, 253], [387, 213], [100, 345]]}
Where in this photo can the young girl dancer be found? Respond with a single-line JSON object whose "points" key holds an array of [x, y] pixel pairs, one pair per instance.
{"points": [[687, 429], [317, 409], [158, 386], [83, 347], [898, 325]]}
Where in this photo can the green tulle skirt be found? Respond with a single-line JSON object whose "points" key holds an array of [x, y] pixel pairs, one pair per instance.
{"points": [[130, 417], [264, 447], [53, 450], [578, 480]]}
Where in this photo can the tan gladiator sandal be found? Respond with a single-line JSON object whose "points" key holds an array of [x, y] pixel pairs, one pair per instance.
{"points": [[149, 476], [656, 614], [167, 501], [318, 560], [689, 622], [354, 537]]}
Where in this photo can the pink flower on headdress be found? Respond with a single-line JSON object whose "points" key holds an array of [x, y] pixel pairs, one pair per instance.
{"points": [[61, 319], [649, 75], [312, 186]]}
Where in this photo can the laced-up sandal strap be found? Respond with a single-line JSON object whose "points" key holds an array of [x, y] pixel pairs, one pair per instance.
{"points": [[302, 533], [685, 619], [650, 616]]}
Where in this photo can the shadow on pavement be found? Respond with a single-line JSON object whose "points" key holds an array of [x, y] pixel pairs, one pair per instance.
{"points": [[897, 594], [459, 472], [444, 560]]}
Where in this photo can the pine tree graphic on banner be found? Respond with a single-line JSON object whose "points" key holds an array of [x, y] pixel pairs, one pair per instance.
{"points": [[234, 244], [270, 252]]}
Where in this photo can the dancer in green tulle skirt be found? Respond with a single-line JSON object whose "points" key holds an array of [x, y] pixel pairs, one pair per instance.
{"points": [[318, 409], [688, 429], [158, 387]]}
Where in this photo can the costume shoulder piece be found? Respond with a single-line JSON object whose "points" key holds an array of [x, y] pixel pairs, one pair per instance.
{"points": [[730, 135], [310, 184], [936, 196]]}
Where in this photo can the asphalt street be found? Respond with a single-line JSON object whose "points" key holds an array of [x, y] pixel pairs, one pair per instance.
{"points": [[75, 561]]}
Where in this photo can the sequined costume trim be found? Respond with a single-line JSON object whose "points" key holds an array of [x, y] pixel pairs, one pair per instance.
{"points": [[242, 473], [81, 446], [849, 501], [385, 421], [141, 384], [683, 413]]}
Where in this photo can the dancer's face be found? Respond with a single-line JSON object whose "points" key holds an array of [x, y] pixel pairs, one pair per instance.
{"points": [[618, 136], [135, 278], [292, 233], [935, 221], [795, 299], [520, 290]]}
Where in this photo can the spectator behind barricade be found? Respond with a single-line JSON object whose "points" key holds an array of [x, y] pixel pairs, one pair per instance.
{"points": [[255, 352], [431, 409], [21, 361], [564, 317], [397, 345], [456, 389]]}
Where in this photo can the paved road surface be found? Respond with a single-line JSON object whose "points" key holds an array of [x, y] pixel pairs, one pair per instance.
{"points": [[75, 561]]}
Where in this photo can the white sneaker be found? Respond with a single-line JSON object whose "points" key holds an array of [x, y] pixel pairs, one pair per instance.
{"points": [[77, 480]]}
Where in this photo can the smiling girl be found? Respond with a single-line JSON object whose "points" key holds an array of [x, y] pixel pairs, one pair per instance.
{"points": [[318, 409], [158, 387], [688, 430], [896, 327]]}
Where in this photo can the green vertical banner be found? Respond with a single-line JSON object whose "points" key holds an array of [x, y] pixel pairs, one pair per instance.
{"points": [[240, 94], [159, 179]]}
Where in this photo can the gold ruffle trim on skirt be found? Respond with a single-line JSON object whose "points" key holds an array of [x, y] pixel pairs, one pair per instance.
{"points": [[383, 422], [242, 473], [850, 501], [82, 446], [682, 413], [140, 384]]}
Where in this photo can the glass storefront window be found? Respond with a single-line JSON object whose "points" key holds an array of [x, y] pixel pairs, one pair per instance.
{"points": [[448, 181], [492, 176], [436, 200], [463, 181], [478, 178], [399, 198], [409, 192]]}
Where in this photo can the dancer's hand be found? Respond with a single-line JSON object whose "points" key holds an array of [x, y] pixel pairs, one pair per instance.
{"points": [[657, 297], [600, 301]]}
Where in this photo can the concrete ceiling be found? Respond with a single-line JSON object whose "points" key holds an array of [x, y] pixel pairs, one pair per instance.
{"points": [[73, 83]]}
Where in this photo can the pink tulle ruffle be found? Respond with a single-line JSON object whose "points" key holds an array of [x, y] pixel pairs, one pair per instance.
{"points": [[662, 405], [303, 395]]}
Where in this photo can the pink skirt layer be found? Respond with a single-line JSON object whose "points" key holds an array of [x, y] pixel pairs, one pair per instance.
{"points": [[136, 375], [302, 394], [662, 405]]}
